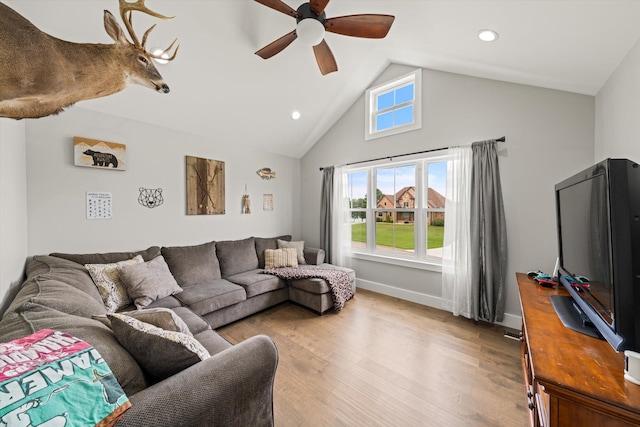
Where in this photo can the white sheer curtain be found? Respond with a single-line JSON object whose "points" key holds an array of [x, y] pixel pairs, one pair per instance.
{"points": [[340, 218], [456, 254]]}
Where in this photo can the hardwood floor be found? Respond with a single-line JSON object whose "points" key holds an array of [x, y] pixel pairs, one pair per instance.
{"points": [[382, 361]]}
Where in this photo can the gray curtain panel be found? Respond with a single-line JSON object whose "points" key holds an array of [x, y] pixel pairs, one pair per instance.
{"points": [[488, 234], [326, 212]]}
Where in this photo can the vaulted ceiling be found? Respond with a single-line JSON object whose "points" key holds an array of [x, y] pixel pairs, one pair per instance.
{"points": [[222, 90]]}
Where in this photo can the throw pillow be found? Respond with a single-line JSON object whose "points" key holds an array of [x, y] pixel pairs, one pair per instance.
{"points": [[160, 353], [107, 280], [149, 281], [276, 258], [193, 265], [160, 317], [299, 246]]}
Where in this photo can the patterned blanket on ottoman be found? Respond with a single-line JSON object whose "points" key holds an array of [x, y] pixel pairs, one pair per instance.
{"points": [[338, 280]]}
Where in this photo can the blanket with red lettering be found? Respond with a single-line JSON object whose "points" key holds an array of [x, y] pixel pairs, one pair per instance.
{"points": [[52, 379]]}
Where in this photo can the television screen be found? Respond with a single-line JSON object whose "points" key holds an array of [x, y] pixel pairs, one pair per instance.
{"points": [[586, 241]]}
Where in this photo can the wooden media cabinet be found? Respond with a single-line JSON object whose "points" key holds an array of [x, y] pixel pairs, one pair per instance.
{"points": [[571, 379]]}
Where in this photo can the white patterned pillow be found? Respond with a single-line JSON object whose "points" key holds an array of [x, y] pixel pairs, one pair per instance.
{"points": [[275, 258], [159, 352], [107, 280]]}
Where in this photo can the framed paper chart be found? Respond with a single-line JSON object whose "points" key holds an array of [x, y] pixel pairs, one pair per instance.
{"points": [[93, 153], [99, 205], [267, 202]]}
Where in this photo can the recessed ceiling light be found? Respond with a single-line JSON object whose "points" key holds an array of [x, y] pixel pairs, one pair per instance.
{"points": [[295, 115], [488, 35]]}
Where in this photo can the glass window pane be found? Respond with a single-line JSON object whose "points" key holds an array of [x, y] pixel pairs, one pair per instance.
{"points": [[404, 94], [357, 189], [359, 229], [394, 237], [436, 184], [385, 100], [435, 234], [384, 121], [403, 116]]}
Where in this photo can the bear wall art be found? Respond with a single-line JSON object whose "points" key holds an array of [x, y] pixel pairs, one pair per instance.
{"points": [[93, 153]]}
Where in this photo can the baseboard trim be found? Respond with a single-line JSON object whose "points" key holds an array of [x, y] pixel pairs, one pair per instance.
{"points": [[510, 320]]}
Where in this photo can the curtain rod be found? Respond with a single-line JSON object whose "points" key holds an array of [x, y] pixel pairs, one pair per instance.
{"points": [[501, 139]]}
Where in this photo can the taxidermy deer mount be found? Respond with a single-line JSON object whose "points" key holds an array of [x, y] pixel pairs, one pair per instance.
{"points": [[41, 75]]}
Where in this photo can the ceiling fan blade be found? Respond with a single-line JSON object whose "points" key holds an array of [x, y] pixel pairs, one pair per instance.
{"points": [[325, 59], [318, 6], [277, 46], [367, 26], [279, 6]]}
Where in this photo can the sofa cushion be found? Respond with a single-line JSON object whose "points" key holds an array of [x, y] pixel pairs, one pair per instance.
{"points": [[263, 243], [108, 257], [72, 273], [195, 323], [107, 279], [299, 247], [205, 298], [148, 281], [256, 283], [34, 317], [236, 256], [320, 286], [161, 353], [213, 342], [193, 265], [276, 258]]}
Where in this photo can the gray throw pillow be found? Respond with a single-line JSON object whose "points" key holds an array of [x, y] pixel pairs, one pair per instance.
{"points": [[108, 257], [193, 265], [299, 246], [160, 353], [149, 281], [236, 256], [163, 318]]}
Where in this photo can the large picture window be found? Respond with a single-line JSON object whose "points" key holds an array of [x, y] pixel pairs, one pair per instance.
{"points": [[397, 209]]}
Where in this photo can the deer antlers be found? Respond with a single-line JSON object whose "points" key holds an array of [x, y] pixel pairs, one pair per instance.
{"points": [[126, 13]]}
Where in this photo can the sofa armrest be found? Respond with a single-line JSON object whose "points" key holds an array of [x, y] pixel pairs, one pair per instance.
{"points": [[314, 256], [231, 388]]}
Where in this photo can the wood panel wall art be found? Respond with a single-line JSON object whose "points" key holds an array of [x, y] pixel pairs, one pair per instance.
{"points": [[205, 186]]}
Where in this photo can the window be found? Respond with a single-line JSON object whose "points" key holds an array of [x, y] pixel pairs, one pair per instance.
{"points": [[405, 201], [394, 107]]}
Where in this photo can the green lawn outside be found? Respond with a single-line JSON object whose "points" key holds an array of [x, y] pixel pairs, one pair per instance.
{"points": [[403, 235]]}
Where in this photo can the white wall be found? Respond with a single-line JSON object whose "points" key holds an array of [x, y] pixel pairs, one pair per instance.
{"points": [[13, 208], [617, 111], [156, 159], [549, 137]]}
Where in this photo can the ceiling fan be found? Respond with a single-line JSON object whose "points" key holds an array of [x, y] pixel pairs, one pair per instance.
{"points": [[312, 23]]}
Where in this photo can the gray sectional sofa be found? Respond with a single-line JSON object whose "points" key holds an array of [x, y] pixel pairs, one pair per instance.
{"points": [[220, 282]]}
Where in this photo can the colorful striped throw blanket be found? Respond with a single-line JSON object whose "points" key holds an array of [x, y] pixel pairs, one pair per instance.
{"points": [[338, 280], [52, 379]]}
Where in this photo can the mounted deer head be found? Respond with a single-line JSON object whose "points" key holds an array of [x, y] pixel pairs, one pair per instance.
{"points": [[41, 75]]}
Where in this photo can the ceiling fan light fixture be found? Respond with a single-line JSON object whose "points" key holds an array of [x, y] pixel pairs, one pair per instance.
{"points": [[310, 31], [488, 35]]}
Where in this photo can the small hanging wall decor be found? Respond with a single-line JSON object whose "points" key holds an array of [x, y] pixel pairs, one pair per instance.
{"points": [[267, 202], [150, 197], [266, 173], [99, 154], [205, 186], [246, 203]]}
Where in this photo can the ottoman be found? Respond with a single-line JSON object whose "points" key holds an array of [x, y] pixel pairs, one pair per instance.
{"points": [[315, 293]]}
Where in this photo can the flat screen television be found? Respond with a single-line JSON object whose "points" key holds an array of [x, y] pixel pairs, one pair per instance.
{"points": [[598, 221]]}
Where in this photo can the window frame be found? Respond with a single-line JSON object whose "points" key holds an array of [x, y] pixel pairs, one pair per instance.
{"points": [[371, 96], [419, 258]]}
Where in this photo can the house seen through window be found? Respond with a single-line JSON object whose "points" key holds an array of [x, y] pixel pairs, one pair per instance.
{"points": [[398, 210]]}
